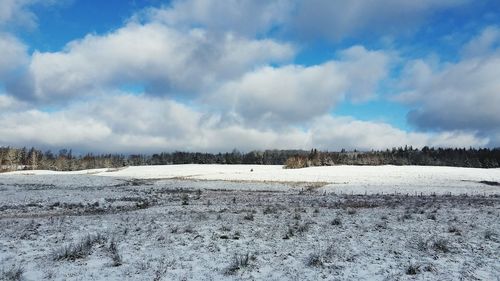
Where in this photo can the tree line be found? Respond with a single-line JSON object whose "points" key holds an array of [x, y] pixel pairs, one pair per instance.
{"points": [[64, 160], [427, 156]]}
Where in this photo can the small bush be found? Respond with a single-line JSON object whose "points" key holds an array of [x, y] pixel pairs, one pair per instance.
{"points": [[296, 162], [185, 199], [413, 269], [270, 210], [454, 229], [422, 245], [431, 217], [225, 228], [406, 216], [189, 229], [115, 255], [80, 249], [289, 233], [331, 251], [14, 273], [238, 262], [301, 228], [249, 217], [336, 221], [490, 234], [441, 245], [351, 211], [314, 260]]}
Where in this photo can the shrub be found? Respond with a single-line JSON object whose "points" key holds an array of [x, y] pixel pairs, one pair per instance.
{"points": [[336, 221], [270, 210], [406, 216], [248, 217], [441, 245], [431, 217], [79, 250], [185, 199], [289, 233], [296, 162], [238, 262], [489, 234], [351, 211], [301, 228], [115, 255], [413, 269], [454, 229], [14, 273], [314, 260]]}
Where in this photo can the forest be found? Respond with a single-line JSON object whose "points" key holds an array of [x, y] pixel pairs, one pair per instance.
{"points": [[65, 160]]}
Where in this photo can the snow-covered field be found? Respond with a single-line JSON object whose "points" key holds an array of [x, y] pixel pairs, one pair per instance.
{"points": [[215, 222], [339, 179]]}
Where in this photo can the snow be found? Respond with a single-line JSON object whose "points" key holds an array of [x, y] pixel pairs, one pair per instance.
{"points": [[339, 179], [188, 222]]}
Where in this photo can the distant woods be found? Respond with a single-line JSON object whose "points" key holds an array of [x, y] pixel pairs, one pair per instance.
{"points": [[33, 159], [456, 157]]}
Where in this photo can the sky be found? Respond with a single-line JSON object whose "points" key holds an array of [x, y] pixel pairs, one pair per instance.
{"points": [[132, 76]]}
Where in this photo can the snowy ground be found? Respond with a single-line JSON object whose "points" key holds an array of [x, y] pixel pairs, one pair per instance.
{"points": [[215, 222], [339, 179]]}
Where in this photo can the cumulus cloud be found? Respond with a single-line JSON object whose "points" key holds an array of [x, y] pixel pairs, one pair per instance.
{"points": [[457, 96], [248, 17], [14, 11], [330, 19], [125, 123], [487, 40], [286, 94], [9, 103], [338, 19], [345, 132], [163, 59], [17, 12], [34, 127], [14, 55], [294, 93]]}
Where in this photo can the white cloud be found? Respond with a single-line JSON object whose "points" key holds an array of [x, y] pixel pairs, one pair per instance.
{"points": [[14, 11], [134, 124], [364, 69], [459, 96], [124, 123], [335, 133], [338, 19], [17, 12], [13, 55], [248, 17], [330, 19], [295, 94], [11, 104], [483, 44], [456, 96], [286, 94], [161, 58], [49, 129]]}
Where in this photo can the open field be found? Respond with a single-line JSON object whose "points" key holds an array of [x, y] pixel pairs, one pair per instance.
{"points": [[215, 222], [340, 179]]}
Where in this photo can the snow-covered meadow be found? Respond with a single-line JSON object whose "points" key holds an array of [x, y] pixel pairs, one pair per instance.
{"points": [[247, 222]]}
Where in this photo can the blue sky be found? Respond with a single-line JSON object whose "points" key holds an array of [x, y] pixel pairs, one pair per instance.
{"points": [[207, 75]]}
